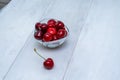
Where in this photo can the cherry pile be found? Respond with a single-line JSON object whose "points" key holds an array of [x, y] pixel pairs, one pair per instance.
{"points": [[50, 31]]}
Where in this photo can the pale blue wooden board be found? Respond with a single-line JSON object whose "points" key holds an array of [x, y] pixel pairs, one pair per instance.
{"points": [[29, 66], [16, 23], [97, 54], [95, 57]]}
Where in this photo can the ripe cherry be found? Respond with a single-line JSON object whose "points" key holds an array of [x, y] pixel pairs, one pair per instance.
{"points": [[38, 26], [51, 23], [52, 31], [47, 37], [55, 37], [44, 27], [61, 33], [38, 35], [48, 63], [59, 25]]}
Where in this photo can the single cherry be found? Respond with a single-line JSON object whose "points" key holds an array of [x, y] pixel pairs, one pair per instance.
{"points": [[47, 37], [51, 23], [38, 35], [59, 25], [61, 33], [43, 27], [48, 63], [52, 31], [38, 26]]}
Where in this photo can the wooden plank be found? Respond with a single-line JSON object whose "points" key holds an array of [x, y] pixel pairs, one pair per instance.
{"points": [[16, 23], [28, 66], [97, 54]]}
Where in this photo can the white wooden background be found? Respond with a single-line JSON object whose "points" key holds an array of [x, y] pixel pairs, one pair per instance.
{"points": [[92, 51]]}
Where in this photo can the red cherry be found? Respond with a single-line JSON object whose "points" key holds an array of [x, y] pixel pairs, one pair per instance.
{"points": [[51, 23], [52, 31], [60, 25], [55, 37], [48, 63], [43, 27], [61, 33], [38, 35], [38, 26], [47, 37]]}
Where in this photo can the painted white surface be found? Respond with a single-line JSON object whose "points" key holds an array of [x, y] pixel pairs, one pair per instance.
{"points": [[94, 27], [16, 23], [29, 66], [97, 54]]}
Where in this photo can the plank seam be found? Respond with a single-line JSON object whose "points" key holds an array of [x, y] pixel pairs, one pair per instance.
{"points": [[44, 13], [82, 26]]}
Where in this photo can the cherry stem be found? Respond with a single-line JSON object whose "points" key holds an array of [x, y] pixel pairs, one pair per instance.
{"points": [[38, 54]]}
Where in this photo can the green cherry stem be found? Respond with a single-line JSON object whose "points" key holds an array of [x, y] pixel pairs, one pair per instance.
{"points": [[38, 54]]}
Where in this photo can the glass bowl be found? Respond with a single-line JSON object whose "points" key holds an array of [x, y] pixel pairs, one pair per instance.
{"points": [[55, 43]]}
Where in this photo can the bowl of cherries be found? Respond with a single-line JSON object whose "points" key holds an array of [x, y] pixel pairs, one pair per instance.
{"points": [[51, 33]]}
